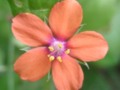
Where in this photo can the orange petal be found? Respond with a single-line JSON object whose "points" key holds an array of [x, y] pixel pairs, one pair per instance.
{"points": [[65, 18], [31, 30], [67, 75], [88, 46], [33, 65]]}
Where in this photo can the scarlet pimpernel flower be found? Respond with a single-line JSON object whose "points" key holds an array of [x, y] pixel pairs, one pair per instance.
{"points": [[56, 46]]}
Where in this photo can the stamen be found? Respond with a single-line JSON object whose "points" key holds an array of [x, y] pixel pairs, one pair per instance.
{"points": [[51, 58], [51, 48], [60, 45], [67, 51], [59, 59]]}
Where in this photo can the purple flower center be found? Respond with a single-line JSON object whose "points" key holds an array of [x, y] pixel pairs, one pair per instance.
{"points": [[57, 49]]}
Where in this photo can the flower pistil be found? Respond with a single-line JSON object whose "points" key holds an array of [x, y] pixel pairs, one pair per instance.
{"points": [[57, 49]]}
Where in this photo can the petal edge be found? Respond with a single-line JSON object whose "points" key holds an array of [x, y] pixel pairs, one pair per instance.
{"points": [[31, 30], [33, 64], [88, 46], [67, 75], [65, 18]]}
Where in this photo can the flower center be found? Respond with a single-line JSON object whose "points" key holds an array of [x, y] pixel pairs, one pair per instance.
{"points": [[57, 50]]}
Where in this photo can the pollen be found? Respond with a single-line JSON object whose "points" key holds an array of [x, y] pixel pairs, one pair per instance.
{"points": [[60, 45], [67, 51], [51, 58], [51, 48], [59, 58]]}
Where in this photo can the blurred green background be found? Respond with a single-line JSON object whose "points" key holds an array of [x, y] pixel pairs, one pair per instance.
{"points": [[100, 15]]}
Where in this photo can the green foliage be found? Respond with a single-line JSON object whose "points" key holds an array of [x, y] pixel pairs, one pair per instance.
{"points": [[92, 82], [41, 4], [97, 13], [112, 36]]}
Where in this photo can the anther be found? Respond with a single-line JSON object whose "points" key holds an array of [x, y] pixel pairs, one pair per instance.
{"points": [[60, 45], [51, 48], [59, 59], [51, 58], [67, 51]]}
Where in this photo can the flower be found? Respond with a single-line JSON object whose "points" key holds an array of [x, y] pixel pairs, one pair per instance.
{"points": [[57, 47]]}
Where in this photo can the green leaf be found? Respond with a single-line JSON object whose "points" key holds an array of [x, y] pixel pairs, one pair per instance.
{"points": [[18, 6], [41, 84], [42, 13], [94, 81], [41, 4], [97, 13]]}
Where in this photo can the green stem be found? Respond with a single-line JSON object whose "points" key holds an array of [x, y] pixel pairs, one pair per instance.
{"points": [[18, 6], [10, 73]]}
